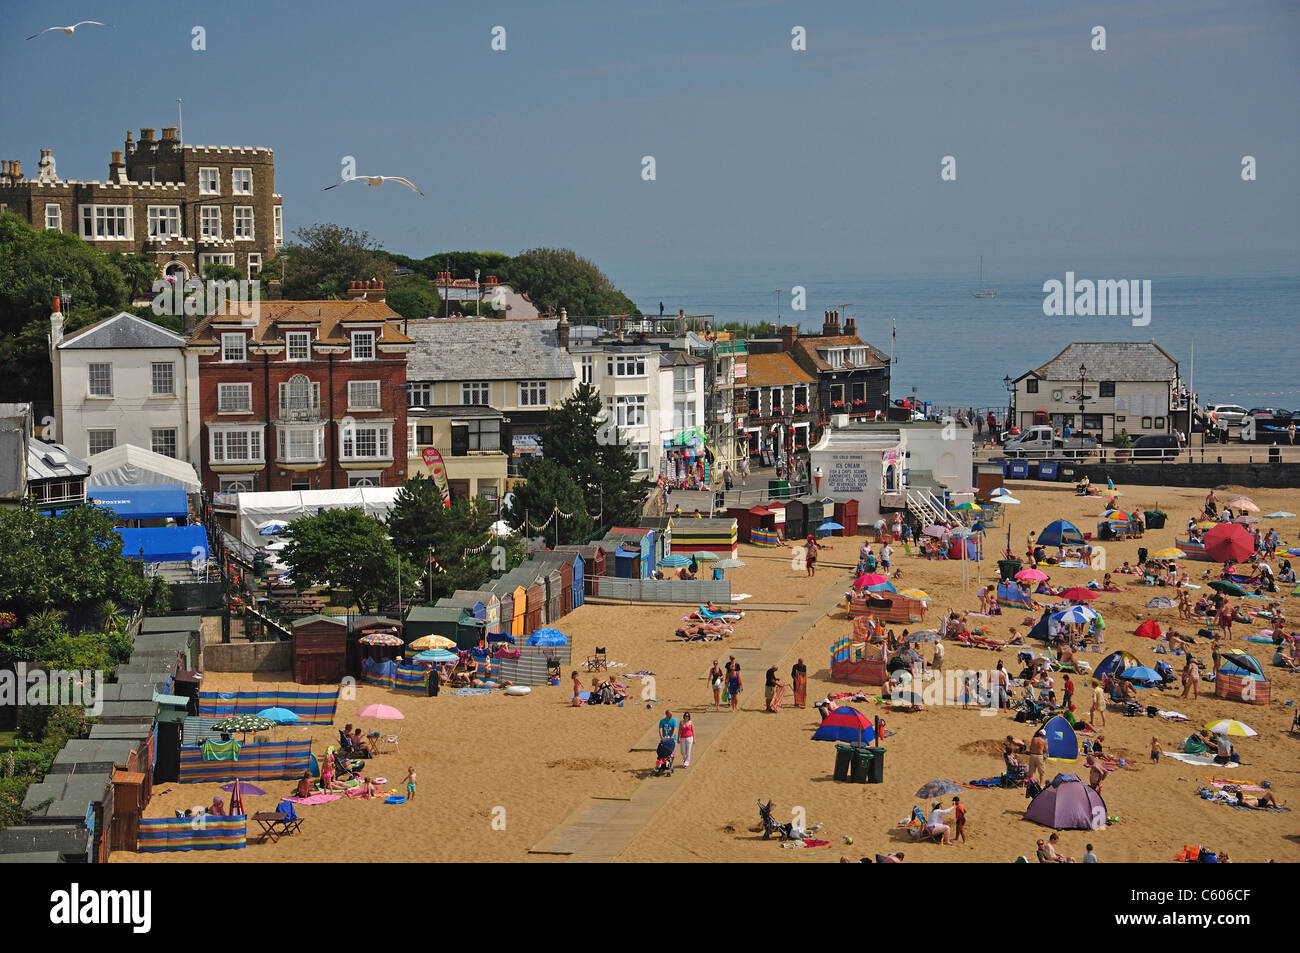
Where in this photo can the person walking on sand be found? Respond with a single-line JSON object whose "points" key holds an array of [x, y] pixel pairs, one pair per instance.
{"points": [[1098, 708], [410, 783], [1191, 678], [686, 738], [1038, 756], [716, 675], [734, 685], [810, 559], [799, 679], [959, 815]]}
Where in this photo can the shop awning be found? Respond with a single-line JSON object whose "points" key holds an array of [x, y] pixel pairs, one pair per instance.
{"points": [[150, 501], [165, 544]]}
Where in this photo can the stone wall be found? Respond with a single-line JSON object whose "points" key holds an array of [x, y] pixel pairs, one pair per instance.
{"points": [[1199, 475]]}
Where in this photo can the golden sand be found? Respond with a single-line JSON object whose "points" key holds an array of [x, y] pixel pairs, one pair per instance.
{"points": [[497, 775]]}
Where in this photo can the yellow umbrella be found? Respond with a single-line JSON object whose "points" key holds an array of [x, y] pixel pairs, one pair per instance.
{"points": [[1205, 524], [915, 594], [1170, 553], [432, 642]]}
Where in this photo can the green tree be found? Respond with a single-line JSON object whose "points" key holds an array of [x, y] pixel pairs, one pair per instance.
{"points": [[414, 297], [558, 277], [578, 435], [347, 549], [324, 259], [216, 271], [549, 487]]}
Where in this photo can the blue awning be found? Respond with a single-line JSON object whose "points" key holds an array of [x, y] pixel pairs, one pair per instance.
{"points": [[146, 502], [165, 544]]}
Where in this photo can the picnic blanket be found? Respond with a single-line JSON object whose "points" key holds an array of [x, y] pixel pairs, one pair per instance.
{"points": [[315, 799], [1200, 760], [469, 690]]}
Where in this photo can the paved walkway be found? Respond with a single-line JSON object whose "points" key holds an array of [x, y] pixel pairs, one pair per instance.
{"points": [[600, 830]]}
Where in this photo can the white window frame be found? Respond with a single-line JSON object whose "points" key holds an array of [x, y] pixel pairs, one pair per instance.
{"points": [[244, 212], [254, 263], [156, 432], [229, 403], [235, 179], [364, 335], [312, 405], [471, 389], [626, 365], [359, 399], [419, 395], [534, 393], [350, 437], [630, 410], [56, 219], [302, 338], [238, 483], [588, 369], [215, 258], [285, 439], [355, 480], [90, 440], [90, 379], [209, 184], [96, 218], [219, 439], [210, 222], [227, 340], [168, 214], [858, 356], [154, 368], [684, 380], [277, 220]]}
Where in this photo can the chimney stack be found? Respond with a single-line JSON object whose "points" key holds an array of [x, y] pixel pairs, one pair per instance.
{"points": [[169, 133], [562, 329], [789, 334], [850, 326], [16, 169], [274, 289], [116, 167], [56, 327], [146, 135], [831, 328]]}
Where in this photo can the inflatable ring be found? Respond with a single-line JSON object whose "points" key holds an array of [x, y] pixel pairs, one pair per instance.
{"points": [[519, 690], [380, 780]]}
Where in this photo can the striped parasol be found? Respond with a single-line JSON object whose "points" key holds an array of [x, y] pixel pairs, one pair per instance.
{"points": [[243, 724], [381, 638], [426, 642]]}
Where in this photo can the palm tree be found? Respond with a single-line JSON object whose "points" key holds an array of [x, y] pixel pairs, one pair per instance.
{"points": [[111, 616]]}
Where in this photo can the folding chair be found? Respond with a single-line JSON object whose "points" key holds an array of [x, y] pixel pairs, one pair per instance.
{"points": [[599, 661], [390, 742]]}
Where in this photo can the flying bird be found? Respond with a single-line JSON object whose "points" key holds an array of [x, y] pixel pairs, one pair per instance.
{"points": [[375, 181], [68, 29]]}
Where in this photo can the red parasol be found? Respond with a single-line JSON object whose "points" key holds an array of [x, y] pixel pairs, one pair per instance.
{"points": [[1228, 541], [1079, 594]]}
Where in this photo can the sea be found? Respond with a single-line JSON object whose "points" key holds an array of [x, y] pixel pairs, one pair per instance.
{"points": [[1236, 339]]}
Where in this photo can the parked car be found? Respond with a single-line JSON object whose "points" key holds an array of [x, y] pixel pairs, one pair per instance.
{"points": [[1040, 441], [1161, 446], [1226, 415], [1269, 424]]}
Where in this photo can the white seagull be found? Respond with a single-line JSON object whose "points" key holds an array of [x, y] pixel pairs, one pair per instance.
{"points": [[374, 180], [68, 29]]}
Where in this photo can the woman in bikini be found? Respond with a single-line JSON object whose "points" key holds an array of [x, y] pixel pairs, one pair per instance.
{"points": [[715, 682]]}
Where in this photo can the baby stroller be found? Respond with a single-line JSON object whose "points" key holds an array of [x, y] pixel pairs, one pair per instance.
{"points": [[1167, 676], [770, 826], [664, 756]]}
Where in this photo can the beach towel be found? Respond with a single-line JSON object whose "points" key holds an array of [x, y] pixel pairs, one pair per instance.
{"points": [[316, 799], [1072, 564], [985, 783], [1200, 760], [469, 690], [221, 750]]}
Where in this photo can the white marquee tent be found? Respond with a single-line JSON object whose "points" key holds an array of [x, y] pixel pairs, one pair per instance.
{"points": [[257, 509], [129, 465]]}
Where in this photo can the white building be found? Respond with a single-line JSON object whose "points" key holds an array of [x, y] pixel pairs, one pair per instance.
{"points": [[682, 402], [626, 375], [125, 380]]}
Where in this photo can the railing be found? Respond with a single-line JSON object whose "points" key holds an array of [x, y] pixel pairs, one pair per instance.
{"points": [[304, 410]]}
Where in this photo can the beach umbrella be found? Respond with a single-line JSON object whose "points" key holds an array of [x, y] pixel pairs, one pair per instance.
{"points": [[967, 508], [729, 564], [437, 655], [1160, 602], [704, 556], [272, 528], [1007, 499], [829, 526], [1229, 726], [915, 593], [1279, 515], [548, 637], [935, 530], [425, 642], [923, 635], [1031, 575], [1116, 516], [1140, 673], [933, 789], [1246, 520], [674, 560], [1228, 541], [1150, 629], [281, 716], [242, 724], [845, 724], [1242, 503], [1075, 614], [1000, 491], [1060, 533], [243, 787], [1227, 588], [1170, 553], [381, 638], [1079, 594], [869, 579], [381, 713]]}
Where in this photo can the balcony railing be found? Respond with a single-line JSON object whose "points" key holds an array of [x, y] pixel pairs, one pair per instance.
{"points": [[300, 410]]}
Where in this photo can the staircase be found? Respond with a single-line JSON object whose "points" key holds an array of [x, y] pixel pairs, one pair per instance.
{"points": [[269, 625], [926, 507]]}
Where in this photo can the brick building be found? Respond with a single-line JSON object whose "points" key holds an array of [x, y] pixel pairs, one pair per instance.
{"points": [[181, 206], [305, 395]]}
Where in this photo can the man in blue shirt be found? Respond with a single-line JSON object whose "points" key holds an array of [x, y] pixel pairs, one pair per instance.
{"points": [[668, 725]]}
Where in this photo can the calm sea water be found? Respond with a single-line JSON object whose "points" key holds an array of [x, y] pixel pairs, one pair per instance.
{"points": [[955, 349]]}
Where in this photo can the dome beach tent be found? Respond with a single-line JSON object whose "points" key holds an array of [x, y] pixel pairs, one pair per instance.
{"points": [[1113, 664], [1062, 743], [1060, 533], [1068, 805]]}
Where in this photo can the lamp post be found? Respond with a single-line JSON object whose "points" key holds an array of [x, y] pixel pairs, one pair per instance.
{"points": [[1010, 386], [777, 292], [1083, 374], [478, 292]]}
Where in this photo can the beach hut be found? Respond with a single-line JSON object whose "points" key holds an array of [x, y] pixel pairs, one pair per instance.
{"points": [[704, 535], [748, 520], [491, 605], [535, 606], [141, 735], [627, 561], [796, 517], [551, 575], [320, 650], [432, 620], [1068, 805], [1062, 743], [593, 562], [577, 574], [472, 605], [78, 800], [846, 514]]}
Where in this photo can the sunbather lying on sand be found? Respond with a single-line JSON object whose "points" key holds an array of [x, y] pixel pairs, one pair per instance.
{"points": [[703, 631], [1264, 802]]}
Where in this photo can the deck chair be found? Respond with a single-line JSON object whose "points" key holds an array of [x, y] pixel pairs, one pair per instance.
{"points": [[391, 741], [919, 826], [599, 661], [1056, 664]]}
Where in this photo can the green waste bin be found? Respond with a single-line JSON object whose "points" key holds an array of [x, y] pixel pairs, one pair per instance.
{"points": [[1154, 519], [778, 489], [862, 759], [1142, 555], [876, 766], [1008, 568], [843, 761]]}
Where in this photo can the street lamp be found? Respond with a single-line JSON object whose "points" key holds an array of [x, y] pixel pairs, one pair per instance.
{"points": [[777, 292], [1010, 386], [1083, 374]]}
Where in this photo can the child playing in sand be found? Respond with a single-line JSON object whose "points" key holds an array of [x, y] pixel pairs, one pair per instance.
{"points": [[410, 783], [1156, 750]]}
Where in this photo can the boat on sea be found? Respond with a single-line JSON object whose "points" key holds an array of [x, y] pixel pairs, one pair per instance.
{"points": [[983, 292]]}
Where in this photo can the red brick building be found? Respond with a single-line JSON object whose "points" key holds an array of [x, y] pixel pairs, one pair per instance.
{"points": [[303, 395]]}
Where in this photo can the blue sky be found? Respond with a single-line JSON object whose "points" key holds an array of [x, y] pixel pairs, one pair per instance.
{"points": [[825, 162]]}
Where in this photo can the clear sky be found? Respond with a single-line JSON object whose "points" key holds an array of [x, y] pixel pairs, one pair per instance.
{"points": [[1123, 162]]}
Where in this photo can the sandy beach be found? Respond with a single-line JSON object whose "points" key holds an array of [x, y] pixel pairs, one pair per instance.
{"points": [[499, 775]]}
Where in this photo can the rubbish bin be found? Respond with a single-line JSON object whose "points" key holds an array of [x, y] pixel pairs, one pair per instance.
{"points": [[1154, 519], [876, 767], [1142, 555], [862, 759], [843, 761], [778, 489], [1008, 568], [1275, 454]]}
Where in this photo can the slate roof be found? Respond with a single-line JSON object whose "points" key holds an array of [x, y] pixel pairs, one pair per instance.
{"points": [[328, 318], [24, 842], [808, 347], [122, 330], [674, 358], [172, 623], [52, 461], [79, 754], [1111, 361], [774, 370], [486, 349], [72, 794]]}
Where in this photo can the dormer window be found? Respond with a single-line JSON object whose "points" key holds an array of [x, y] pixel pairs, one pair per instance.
{"points": [[834, 356], [363, 345], [858, 356], [297, 346]]}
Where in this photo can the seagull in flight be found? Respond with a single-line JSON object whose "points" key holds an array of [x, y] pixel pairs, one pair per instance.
{"points": [[68, 29], [374, 180]]}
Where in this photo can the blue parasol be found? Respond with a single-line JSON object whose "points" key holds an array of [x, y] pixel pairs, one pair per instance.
{"points": [[548, 637]]}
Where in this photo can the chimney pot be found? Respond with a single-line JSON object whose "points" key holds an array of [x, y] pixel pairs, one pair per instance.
{"points": [[56, 305], [169, 132], [16, 169], [146, 135]]}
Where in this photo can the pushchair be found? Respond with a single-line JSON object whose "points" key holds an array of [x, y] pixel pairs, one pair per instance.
{"points": [[1167, 676], [770, 826], [664, 756]]}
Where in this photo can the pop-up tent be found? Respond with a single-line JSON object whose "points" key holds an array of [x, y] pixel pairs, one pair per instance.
{"points": [[1060, 533], [129, 465], [1062, 743], [150, 501], [1068, 805], [1242, 666], [1113, 664]]}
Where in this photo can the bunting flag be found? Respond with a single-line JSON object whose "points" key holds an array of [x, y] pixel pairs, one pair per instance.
{"points": [[474, 551]]}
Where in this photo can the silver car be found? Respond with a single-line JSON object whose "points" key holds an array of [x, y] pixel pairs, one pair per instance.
{"points": [[1227, 415]]}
